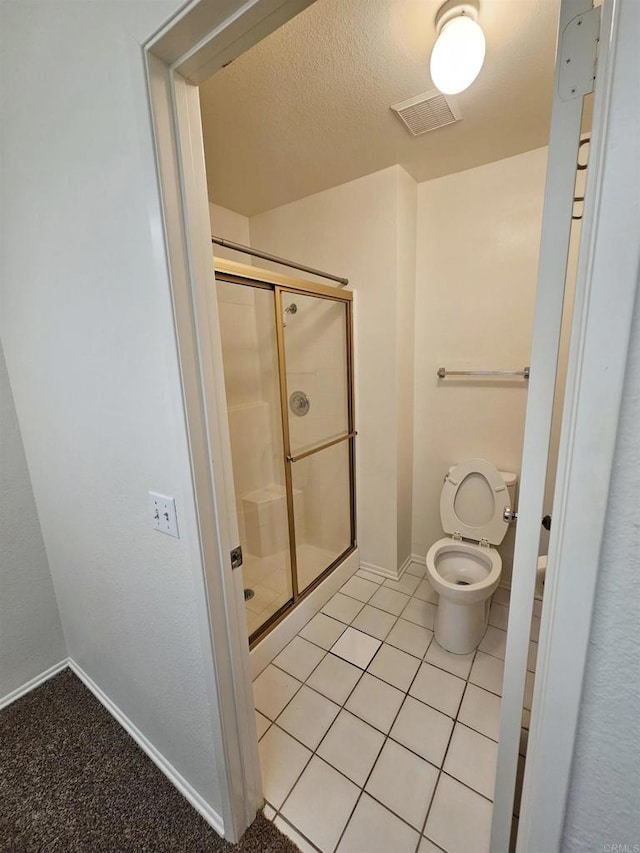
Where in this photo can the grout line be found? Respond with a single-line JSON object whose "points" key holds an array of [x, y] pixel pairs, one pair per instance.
{"points": [[386, 735], [444, 757]]}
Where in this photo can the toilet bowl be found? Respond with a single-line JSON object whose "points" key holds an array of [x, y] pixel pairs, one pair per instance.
{"points": [[463, 568]]}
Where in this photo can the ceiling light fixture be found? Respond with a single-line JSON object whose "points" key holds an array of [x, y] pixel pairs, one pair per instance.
{"points": [[458, 54]]}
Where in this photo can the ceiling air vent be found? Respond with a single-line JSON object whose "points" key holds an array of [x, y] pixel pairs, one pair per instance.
{"points": [[428, 111]]}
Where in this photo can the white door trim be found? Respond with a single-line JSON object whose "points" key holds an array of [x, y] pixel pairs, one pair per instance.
{"points": [[606, 285], [564, 141], [208, 32]]}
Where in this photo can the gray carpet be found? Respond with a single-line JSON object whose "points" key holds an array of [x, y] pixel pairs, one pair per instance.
{"points": [[71, 779]]}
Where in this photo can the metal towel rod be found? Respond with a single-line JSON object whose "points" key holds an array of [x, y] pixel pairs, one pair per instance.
{"points": [[443, 372]]}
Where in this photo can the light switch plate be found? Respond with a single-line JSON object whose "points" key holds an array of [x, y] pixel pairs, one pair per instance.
{"points": [[163, 514]]}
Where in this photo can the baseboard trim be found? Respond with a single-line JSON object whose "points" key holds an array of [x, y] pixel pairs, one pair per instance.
{"points": [[403, 568], [379, 570], [421, 560], [392, 574], [33, 683], [177, 780]]}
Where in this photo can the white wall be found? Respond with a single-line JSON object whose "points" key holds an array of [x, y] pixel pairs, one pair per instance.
{"points": [[232, 226], [352, 230], [477, 257], [31, 638], [604, 799], [86, 323], [405, 357]]}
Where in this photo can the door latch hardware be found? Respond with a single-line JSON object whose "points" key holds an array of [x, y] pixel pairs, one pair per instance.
{"points": [[510, 515], [236, 557]]}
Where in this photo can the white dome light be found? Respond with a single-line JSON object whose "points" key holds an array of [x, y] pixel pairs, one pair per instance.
{"points": [[458, 54]]}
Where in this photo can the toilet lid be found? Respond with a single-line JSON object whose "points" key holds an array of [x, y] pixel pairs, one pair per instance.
{"points": [[473, 500]]}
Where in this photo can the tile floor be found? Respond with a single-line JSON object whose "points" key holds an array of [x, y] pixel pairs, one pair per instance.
{"points": [[373, 739]]}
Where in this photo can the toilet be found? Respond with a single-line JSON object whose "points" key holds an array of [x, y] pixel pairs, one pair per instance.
{"points": [[463, 568]]}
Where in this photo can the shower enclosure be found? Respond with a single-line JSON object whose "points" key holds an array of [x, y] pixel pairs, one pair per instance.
{"points": [[288, 368]]}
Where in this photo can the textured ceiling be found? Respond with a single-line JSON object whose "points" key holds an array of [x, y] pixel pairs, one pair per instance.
{"points": [[308, 108]]}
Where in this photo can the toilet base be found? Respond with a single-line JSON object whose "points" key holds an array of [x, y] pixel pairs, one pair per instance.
{"points": [[459, 628]]}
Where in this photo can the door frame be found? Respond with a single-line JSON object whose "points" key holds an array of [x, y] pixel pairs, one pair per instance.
{"points": [[196, 42]]}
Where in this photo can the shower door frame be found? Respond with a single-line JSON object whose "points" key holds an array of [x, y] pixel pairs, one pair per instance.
{"points": [[245, 275]]}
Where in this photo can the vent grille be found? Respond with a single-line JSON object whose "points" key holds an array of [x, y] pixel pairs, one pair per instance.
{"points": [[428, 111]]}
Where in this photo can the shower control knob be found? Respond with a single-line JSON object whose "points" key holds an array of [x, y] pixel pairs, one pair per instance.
{"points": [[299, 403]]}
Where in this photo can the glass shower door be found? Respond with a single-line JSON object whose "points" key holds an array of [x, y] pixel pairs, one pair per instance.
{"points": [[251, 371], [316, 399]]}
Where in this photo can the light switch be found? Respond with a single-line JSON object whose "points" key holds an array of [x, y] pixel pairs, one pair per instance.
{"points": [[163, 514]]}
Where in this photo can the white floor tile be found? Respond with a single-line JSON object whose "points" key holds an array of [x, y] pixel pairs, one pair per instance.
{"points": [[394, 666], [359, 588], [481, 711], [389, 600], [308, 716], [403, 782], [372, 621], [471, 759], [375, 702], [407, 584], [356, 647], [427, 846], [459, 665], [459, 820], [370, 576], [320, 804], [535, 628], [262, 724], [425, 592], [487, 672], [322, 630], [494, 642], [421, 612], [528, 690], [423, 730], [301, 843], [532, 657], [351, 746], [417, 569], [502, 596], [282, 760], [299, 658], [269, 812], [342, 608], [409, 637], [373, 829], [499, 616], [272, 689], [438, 688], [335, 678]]}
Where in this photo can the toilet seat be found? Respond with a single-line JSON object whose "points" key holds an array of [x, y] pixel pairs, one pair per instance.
{"points": [[459, 499]]}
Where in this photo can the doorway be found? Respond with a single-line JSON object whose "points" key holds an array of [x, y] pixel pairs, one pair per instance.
{"points": [[186, 107]]}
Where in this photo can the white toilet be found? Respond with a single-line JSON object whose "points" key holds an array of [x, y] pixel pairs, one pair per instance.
{"points": [[464, 569]]}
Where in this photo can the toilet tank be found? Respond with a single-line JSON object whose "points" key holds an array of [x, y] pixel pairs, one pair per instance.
{"points": [[511, 481]]}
